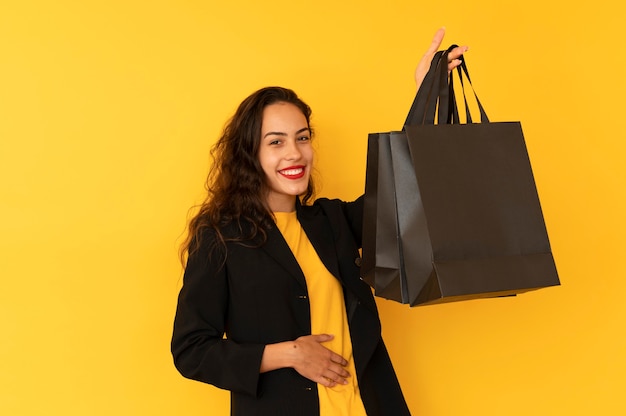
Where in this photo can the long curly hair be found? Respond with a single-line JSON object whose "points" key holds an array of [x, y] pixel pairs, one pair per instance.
{"points": [[236, 184]]}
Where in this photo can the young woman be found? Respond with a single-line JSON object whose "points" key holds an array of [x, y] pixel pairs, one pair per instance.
{"points": [[279, 276]]}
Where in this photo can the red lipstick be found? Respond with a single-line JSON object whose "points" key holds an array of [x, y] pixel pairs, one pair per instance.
{"points": [[293, 172]]}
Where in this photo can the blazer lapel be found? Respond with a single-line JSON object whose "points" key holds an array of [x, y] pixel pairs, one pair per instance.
{"points": [[320, 235], [277, 248]]}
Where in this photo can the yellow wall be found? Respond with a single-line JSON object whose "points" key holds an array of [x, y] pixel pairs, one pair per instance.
{"points": [[107, 112]]}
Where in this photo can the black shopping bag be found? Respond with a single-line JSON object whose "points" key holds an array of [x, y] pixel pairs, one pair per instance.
{"points": [[451, 210]]}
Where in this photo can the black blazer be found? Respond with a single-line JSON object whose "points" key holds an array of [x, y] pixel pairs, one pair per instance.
{"points": [[258, 296]]}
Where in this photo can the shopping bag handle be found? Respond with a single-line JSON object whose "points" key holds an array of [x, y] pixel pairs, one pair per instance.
{"points": [[462, 70], [436, 95], [425, 101]]}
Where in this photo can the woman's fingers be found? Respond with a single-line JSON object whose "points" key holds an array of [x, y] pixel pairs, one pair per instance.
{"points": [[436, 42], [336, 358], [454, 57], [318, 363], [424, 63], [333, 376]]}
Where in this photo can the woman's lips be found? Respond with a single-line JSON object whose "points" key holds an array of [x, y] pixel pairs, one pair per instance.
{"points": [[292, 172]]}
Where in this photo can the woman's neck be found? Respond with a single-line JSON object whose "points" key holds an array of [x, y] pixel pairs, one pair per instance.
{"points": [[281, 203]]}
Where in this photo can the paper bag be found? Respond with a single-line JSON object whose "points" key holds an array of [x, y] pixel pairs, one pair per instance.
{"points": [[451, 210]]}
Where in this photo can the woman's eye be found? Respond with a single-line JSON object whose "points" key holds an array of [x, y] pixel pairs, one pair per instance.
{"points": [[275, 142], [304, 138]]}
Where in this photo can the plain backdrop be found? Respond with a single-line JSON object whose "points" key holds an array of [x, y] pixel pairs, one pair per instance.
{"points": [[107, 113]]}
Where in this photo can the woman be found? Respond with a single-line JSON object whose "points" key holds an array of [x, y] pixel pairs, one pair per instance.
{"points": [[280, 276]]}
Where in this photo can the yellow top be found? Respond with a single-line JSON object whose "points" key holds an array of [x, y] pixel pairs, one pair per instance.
{"points": [[328, 316]]}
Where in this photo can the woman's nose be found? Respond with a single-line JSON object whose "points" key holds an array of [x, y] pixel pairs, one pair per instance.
{"points": [[292, 151]]}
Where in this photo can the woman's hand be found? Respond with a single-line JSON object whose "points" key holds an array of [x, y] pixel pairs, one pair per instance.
{"points": [[424, 64], [317, 363], [309, 358]]}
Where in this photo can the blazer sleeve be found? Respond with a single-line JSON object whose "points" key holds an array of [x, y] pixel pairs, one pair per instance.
{"points": [[199, 348]]}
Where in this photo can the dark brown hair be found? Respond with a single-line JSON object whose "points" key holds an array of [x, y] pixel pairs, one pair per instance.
{"points": [[236, 185]]}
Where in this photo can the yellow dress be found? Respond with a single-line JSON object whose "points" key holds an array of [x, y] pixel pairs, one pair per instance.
{"points": [[328, 316]]}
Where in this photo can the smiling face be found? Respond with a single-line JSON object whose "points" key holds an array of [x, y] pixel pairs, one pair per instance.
{"points": [[285, 154]]}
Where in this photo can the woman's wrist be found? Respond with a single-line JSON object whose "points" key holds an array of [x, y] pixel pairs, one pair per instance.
{"points": [[279, 355]]}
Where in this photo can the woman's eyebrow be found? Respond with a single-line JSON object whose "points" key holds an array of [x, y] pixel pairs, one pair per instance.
{"points": [[280, 133]]}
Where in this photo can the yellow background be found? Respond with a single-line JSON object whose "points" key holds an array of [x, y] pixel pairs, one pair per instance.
{"points": [[108, 110]]}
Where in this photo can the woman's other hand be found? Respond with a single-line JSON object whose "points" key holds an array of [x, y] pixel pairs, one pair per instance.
{"points": [[309, 358], [424, 64], [317, 363]]}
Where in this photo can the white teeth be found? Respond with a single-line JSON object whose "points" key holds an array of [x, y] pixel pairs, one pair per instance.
{"points": [[291, 172]]}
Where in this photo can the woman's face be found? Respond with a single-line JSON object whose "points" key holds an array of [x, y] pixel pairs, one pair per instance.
{"points": [[285, 154]]}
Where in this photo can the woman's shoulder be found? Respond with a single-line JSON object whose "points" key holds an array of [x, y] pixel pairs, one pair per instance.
{"points": [[342, 213], [235, 232], [213, 244], [328, 204]]}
